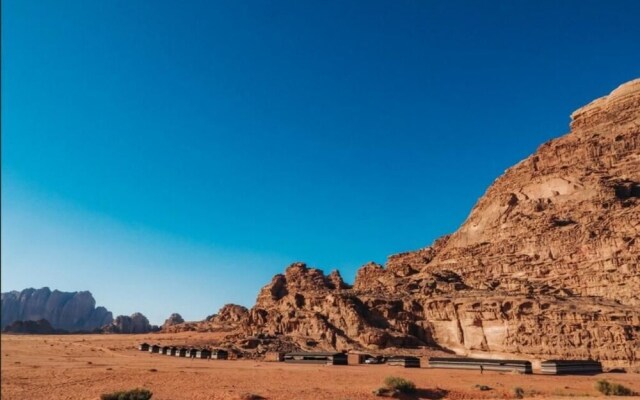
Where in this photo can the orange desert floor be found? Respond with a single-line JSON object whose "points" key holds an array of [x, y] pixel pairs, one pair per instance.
{"points": [[84, 366]]}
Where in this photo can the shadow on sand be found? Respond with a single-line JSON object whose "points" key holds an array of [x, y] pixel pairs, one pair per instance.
{"points": [[419, 394]]}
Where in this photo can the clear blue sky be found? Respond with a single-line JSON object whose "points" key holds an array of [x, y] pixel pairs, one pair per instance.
{"points": [[173, 156]]}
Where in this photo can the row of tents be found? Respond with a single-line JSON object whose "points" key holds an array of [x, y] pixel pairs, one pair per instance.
{"points": [[549, 367], [181, 351], [552, 367]]}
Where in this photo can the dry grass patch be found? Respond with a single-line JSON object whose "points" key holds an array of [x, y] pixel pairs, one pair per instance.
{"points": [[613, 389], [135, 394]]}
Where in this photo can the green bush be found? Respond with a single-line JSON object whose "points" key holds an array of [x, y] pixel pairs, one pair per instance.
{"points": [[613, 389], [518, 392], [135, 394], [400, 384]]}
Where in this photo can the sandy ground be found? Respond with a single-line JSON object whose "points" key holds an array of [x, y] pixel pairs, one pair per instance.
{"points": [[84, 366]]}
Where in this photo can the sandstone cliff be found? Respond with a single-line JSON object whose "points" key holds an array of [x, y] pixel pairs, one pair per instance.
{"points": [[71, 311], [546, 265]]}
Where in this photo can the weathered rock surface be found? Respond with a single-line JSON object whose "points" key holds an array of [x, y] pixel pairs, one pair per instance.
{"points": [[230, 313], [546, 265], [136, 323], [71, 311]]}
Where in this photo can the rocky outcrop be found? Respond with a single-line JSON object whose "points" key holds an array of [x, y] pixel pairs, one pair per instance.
{"points": [[228, 319], [71, 311], [546, 265], [174, 319], [40, 327], [136, 323], [306, 303], [230, 313]]}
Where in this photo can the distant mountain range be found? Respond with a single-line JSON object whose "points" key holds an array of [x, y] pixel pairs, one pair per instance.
{"points": [[64, 311], [71, 311]]}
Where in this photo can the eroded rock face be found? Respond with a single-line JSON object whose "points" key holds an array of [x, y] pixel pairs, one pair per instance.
{"points": [[231, 313], [71, 311], [546, 265], [566, 218], [321, 311], [136, 323]]}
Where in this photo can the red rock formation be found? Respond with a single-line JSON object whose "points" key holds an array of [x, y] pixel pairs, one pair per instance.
{"points": [[230, 313], [546, 265]]}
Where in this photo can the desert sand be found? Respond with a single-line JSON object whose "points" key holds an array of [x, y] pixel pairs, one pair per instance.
{"points": [[85, 366]]}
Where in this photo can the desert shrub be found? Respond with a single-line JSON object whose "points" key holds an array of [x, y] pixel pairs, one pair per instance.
{"points": [[613, 389], [518, 392], [400, 384], [135, 394]]}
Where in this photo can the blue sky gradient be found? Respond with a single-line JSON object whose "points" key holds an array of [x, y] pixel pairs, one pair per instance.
{"points": [[173, 157]]}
